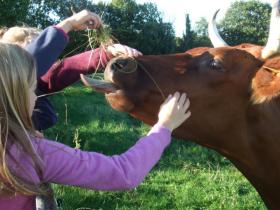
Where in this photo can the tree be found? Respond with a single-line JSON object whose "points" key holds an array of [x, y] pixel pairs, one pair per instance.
{"points": [[137, 25], [13, 12], [188, 36], [140, 26], [201, 27], [201, 31], [187, 41], [246, 22], [43, 13]]}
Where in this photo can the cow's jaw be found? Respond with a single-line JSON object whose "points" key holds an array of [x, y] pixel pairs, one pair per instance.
{"points": [[114, 94]]}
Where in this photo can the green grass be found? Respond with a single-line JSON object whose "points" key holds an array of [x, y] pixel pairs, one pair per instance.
{"points": [[187, 177]]}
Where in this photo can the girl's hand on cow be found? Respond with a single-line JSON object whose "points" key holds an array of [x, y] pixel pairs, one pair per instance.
{"points": [[81, 21], [174, 111], [119, 49]]}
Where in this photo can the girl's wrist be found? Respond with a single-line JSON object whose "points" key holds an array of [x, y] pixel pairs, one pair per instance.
{"points": [[65, 25], [108, 53], [165, 125]]}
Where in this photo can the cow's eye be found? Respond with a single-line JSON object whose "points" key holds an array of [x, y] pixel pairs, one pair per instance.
{"points": [[216, 65]]}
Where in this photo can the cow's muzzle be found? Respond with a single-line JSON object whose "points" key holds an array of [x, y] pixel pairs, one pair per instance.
{"points": [[123, 64], [120, 72]]}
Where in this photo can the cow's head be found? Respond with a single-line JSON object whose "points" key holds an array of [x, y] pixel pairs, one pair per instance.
{"points": [[221, 82], [217, 81]]}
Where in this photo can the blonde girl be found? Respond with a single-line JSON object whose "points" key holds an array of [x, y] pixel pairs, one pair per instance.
{"points": [[27, 162]]}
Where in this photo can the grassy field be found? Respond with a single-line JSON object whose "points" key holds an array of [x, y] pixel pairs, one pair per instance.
{"points": [[187, 177]]}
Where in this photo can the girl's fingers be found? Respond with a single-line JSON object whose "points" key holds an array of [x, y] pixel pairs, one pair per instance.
{"points": [[93, 21], [118, 49], [98, 23], [136, 52], [174, 101], [168, 98], [182, 99], [139, 53], [176, 96], [186, 105], [186, 115], [126, 50]]}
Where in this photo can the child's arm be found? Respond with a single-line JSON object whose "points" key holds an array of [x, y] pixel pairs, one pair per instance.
{"points": [[43, 116], [46, 49], [48, 46], [65, 165], [67, 71]]}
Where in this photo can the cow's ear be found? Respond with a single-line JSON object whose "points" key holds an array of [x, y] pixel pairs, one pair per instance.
{"points": [[266, 83]]}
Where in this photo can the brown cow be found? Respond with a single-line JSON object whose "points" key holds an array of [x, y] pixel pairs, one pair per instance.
{"points": [[235, 102]]}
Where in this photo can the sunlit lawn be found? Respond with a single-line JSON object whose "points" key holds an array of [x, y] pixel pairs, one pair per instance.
{"points": [[187, 177]]}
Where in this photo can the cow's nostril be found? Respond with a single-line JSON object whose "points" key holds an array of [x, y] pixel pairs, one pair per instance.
{"points": [[124, 65], [114, 67], [121, 64]]}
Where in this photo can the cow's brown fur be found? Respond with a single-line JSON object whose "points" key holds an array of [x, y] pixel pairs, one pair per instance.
{"points": [[235, 107]]}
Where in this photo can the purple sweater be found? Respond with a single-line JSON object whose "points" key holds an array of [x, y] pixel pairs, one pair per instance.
{"points": [[68, 166]]}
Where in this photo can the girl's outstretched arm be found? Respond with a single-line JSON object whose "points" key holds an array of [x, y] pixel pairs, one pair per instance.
{"points": [[69, 166], [65, 165]]}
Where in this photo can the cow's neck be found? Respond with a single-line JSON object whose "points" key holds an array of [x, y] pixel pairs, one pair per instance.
{"points": [[245, 143], [265, 144], [253, 147]]}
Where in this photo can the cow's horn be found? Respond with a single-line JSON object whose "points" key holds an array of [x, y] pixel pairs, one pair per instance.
{"points": [[273, 43], [213, 33]]}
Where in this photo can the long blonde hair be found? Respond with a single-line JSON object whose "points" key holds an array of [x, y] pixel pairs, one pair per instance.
{"points": [[17, 74], [20, 35]]}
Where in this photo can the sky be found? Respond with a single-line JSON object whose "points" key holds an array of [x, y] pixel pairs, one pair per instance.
{"points": [[174, 11]]}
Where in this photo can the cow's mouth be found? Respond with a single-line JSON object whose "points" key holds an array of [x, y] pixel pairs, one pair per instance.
{"points": [[101, 86], [120, 76], [122, 66], [116, 96]]}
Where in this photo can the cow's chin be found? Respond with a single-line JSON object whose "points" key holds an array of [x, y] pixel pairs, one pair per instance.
{"points": [[119, 101], [114, 95]]}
